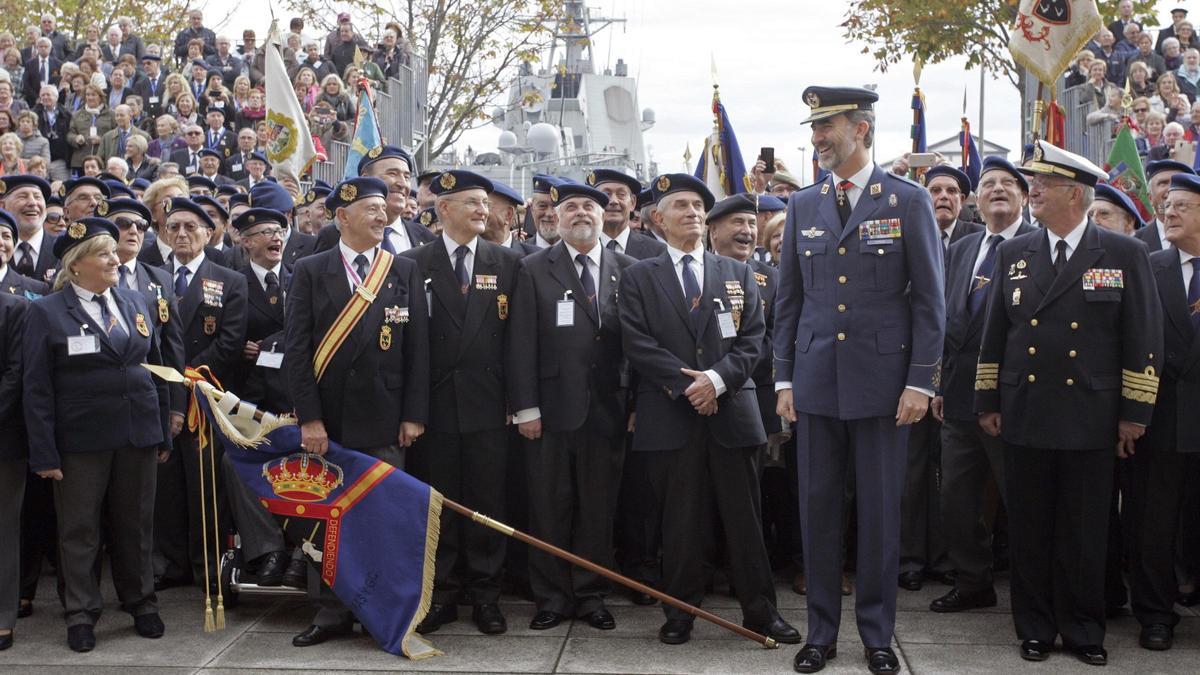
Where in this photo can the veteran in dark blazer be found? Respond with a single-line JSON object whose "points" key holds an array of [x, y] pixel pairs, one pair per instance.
{"points": [[1073, 332], [372, 393], [24, 197], [1168, 455], [693, 331], [566, 381], [10, 281], [969, 456], [859, 322], [471, 284], [98, 424], [622, 190], [14, 458], [1158, 178]]}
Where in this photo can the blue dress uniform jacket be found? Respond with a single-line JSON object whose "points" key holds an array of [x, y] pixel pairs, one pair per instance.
{"points": [[15, 284], [572, 373], [467, 388], [763, 375], [380, 375], [214, 322], [876, 318], [90, 402], [642, 246], [660, 338], [964, 330], [155, 284], [1086, 345], [299, 245], [1173, 426], [13, 442]]}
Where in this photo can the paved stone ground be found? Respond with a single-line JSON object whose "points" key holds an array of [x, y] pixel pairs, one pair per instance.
{"points": [[259, 631]]}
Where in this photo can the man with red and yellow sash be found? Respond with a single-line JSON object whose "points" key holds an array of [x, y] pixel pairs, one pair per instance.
{"points": [[357, 350]]}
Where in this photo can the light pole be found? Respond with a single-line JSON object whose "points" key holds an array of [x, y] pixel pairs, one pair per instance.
{"points": [[872, 87]]}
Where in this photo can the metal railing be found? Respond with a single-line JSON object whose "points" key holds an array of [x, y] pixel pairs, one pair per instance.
{"points": [[1092, 141]]}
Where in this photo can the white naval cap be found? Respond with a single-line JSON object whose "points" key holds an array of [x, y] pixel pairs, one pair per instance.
{"points": [[1052, 160]]}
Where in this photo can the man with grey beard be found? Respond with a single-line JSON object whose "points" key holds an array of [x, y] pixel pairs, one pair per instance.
{"points": [[568, 389]]}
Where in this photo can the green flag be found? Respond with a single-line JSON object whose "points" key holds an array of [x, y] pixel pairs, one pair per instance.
{"points": [[1125, 172]]}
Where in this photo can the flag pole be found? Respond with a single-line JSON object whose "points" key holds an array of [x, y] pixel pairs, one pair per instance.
{"points": [[590, 566]]}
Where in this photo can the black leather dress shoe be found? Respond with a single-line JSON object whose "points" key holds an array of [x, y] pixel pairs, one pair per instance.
{"points": [[600, 619], [1036, 650], [149, 625], [24, 608], [80, 638], [163, 583], [812, 658], [6, 641], [438, 616], [778, 630], [296, 574], [640, 598], [954, 601], [911, 581], [882, 660], [1157, 637], [1189, 599], [489, 619], [271, 568], [545, 620], [1093, 655], [315, 635], [675, 632]]}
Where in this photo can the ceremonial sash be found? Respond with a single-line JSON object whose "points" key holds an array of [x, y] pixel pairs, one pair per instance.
{"points": [[352, 313]]}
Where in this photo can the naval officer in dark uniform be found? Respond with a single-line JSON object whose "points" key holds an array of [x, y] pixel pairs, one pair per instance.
{"points": [[1073, 333], [692, 327], [858, 342], [1169, 454], [372, 394]]}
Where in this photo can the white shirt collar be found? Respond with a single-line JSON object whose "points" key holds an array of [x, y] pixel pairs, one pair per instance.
{"points": [[350, 254], [131, 266], [540, 242], [35, 242], [1073, 237], [860, 178], [164, 249], [1007, 233], [398, 228], [508, 241], [593, 255], [622, 239], [452, 246], [677, 255], [193, 266], [1161, 228], [261, 272], [88, 296], [1185, 257]]}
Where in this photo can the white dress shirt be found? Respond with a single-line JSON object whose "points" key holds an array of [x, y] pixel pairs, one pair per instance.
{"points": [[93, 308], [1073, 237], [192, 266], [35, 247], [1185, 266], [260, 272], [622, 240], [398, 235], [697, 267], [164, 249], [348, 255], [540, 242], [1161, 228], [452, 246], [859, 179], [1005, 234]]}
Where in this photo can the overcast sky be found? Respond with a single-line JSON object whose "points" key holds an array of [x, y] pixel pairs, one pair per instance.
{"points": [[767, 52]]}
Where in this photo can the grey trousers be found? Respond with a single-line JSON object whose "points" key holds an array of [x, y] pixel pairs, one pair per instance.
{"points": [[969, 457], [259, 531], [12, 493], [115, 487]]}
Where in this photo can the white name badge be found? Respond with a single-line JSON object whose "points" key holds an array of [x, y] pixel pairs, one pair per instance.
{"points": [[270, 360], [153, 100], [725, 321], [235, 168], [92, 132], [78, 345], [566, 314]]}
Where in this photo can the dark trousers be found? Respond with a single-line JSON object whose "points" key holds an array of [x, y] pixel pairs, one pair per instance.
{"points": [[573, 482], [39, 533], [200, 529], [13, 473], [1153, 513], [330, 609], [259, 532], [516, 508], [825, 449], [1058, 505], [639, 522], [969, 458], [171, 543], [687, 484], [469, 469], [922, 544], [116, 487]]}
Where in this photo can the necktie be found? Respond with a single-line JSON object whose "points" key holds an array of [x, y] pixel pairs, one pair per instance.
{"points": [[212, 139], [25, 264], [124, 272], [978, 296], [1060, 257], [387, 240], [1194, 294], [612, 245], [360, 267], [272, 281], [45, 71], [588, 283], [843, 200], [181, 282], [691, 287], [154, 86], [945, 240], [122, 135], [112, 327], [192, 161], [460, 268]]}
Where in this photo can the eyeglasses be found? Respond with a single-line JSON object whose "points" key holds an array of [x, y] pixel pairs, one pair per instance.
{"points": [[192, 133], [126, 223], [189, 227], [269, 233], [473, 203], [1181, 208], [54, 217], [1138, 110]]}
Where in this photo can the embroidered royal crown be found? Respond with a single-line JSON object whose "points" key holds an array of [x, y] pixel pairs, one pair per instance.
{"points": [[302, 477]]}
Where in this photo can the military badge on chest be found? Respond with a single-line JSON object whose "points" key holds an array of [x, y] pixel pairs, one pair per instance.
{"points": [[737, 301], [213, 292], [210, 325], [385, 337], [502, 306]]}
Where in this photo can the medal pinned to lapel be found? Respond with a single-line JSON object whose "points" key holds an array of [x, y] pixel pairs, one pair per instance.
{"points": [[142, 328], [395, 314], [1015, 270], [734, 289], [210, 325], [825, 189], [892, 201], [876, 189], [760, 279], [1016, 297], [502, 306], [485, 282], [385, 338]]}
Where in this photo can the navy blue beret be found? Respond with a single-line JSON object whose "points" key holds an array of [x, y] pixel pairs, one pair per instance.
{"points": [[671, 183], [80, 231], [183, 204], [458, 180]]}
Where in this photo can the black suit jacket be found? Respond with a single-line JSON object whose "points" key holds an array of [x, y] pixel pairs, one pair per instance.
{"points": [[56, 134], [213, 322], [571, 373], [1149, 236], [767, 278], [183, 158], [298, 246], [1096, 347], [642, 246], [660, 338], [1173, 427], [267, 387], [963, 329], [468, 336], [380, 375], [31, 81], [155, 284], [329, 236], [147, 90], [46, 265], [90, 402], [14, 444], [15, 284]]}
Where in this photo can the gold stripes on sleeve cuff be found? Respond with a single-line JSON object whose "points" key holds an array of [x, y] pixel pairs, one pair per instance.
{"points": [[986, 375], [1140, 387]]}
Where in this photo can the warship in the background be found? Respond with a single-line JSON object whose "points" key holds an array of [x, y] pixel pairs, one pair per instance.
{"points": [[566, 118]]}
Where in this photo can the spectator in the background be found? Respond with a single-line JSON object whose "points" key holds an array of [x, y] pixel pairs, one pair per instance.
{"points": [[41, 68], [294, 42], [338, 35], [111, 47], [7, 122], [88, 126], [1187, 37], [54, 122], [60, 42], [313, 60], [131, 42], [239, 96], [91, 38], [393, 51], [167, 138], [326, 127], [1191, 130], [1171, 54], [118, 88], [306, 87], [1177, 16], [73, 100], [117, 168], [1172, 134], [91, 166], [115, 142], [1111, 111], [254, 111], [33, 143], [215, 94], [9, 102], [139, 165], [10, 61], [345, 48], [224, 62], [1114, 60], [37, 166], [1145, 54], [1179, 108], [1139, 80], [249, 53], [1128, 44], [1097, 81], [1188, 73], [1078, 74], [11, 161], [1166, 89], [333, 93], [194, 31], [186, 109], [174, 87], [1124, 17]]}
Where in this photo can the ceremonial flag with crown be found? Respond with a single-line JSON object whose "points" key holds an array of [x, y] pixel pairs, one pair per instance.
{"points": [[721, 166], [289, 143], [1049, 33], [368, 528]]}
